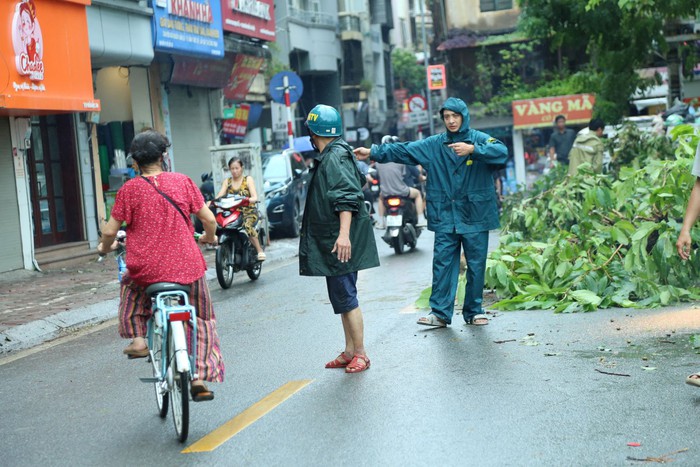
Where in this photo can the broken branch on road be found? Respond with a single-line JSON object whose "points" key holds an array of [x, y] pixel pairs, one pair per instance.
{"points": [[610, 373]]}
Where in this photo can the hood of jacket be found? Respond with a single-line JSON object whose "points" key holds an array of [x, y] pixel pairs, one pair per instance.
{"points": [[457, 105], [587, 141]]}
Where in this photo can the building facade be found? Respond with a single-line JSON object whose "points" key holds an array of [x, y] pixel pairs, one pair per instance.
{"points": [[76, 91]]}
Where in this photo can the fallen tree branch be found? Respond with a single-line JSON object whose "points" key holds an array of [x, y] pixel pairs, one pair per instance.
{"points": [[503, 342], [610, 373], [663, 459]]}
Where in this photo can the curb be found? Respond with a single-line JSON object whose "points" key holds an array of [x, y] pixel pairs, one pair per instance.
{"points": [[37, 332], [25, 336]]}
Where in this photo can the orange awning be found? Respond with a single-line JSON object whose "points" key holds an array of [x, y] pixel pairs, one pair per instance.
{"points": [[45, 58]]}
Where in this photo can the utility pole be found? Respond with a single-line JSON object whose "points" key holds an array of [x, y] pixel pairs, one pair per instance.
{"points": [[425, 64]]}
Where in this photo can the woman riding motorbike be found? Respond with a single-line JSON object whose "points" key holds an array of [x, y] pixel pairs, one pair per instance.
{"points": [[244, 185]]}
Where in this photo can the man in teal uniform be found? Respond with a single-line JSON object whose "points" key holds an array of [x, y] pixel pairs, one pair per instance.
{"points": [[461, 205], [337, 238]]}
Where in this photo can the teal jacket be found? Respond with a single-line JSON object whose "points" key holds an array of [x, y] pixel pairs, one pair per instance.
{"points": [[335, 186], [460, 192]]}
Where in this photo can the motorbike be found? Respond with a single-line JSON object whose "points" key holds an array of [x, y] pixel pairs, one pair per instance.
{"points": [[401, 219], [235, 252]]}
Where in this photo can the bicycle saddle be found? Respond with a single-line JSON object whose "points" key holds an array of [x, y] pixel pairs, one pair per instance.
{"points": [[160, 287]]}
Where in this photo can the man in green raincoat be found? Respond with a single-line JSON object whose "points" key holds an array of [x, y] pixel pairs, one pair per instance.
{"points": [[337, 238], [461, 205]]}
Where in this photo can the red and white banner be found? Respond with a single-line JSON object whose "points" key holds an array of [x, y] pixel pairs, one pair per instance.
{"points": [[245, 69]]}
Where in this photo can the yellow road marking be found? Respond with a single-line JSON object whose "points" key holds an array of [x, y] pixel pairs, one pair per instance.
{"points": [[409, 309], [246, 418]]}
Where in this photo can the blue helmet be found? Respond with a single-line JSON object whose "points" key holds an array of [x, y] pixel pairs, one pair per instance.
{"points": [[324, 120]]}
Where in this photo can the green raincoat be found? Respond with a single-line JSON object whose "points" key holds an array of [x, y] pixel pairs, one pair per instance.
{"points": [[335, 186]]}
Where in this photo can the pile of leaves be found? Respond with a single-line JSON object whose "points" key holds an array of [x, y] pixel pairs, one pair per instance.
{"points": [[601, 240]]}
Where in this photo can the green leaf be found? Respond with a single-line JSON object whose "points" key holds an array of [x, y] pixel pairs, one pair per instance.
{"points": [[502, 274], [586, 297], [563, 269]]}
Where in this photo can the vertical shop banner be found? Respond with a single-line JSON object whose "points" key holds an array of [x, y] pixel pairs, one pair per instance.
{"points": [[533, 113], [436, 77], [45, 63], [252, 18], [245, 69], [238, 125], [189, 27]]}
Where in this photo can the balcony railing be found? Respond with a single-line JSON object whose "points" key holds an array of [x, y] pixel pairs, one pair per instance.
{"points": [[313, 17]]}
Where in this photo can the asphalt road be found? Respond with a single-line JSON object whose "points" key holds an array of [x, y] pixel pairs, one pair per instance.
{"points": [[525, 390]]}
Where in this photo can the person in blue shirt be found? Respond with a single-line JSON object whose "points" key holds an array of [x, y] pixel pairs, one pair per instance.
{"points": [[461, 205]]}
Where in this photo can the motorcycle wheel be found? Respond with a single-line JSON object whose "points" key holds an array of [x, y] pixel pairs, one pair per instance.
{"points": [[398, 244], [224, 268], [254, 272]]}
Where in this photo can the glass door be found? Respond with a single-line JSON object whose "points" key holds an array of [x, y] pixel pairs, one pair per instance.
{"points": [[57, 212]]}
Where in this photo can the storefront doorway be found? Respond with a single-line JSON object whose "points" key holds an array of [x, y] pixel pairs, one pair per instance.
{"points": [[55, 192]]}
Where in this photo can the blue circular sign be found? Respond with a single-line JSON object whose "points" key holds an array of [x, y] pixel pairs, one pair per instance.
{"points": [[296, 87]]}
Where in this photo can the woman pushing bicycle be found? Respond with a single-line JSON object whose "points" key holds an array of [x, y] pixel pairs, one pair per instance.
{"points": [[156, 208]]}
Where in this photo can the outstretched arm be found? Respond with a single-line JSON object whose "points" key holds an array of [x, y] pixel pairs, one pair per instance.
{"points": [[413, 153]]}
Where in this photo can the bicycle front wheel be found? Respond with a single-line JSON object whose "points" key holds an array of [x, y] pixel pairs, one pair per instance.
{"points": [[157, 363], [179, 394]]}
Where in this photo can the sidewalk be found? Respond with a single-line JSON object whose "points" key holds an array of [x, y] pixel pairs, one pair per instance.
{"points": [[36, 307]]}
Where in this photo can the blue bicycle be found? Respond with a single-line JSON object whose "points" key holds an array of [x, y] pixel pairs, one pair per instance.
{"points": [[172, 354]]}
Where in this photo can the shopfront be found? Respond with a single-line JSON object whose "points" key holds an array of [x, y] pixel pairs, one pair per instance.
{"points": [[45, 85], [533, 122]]}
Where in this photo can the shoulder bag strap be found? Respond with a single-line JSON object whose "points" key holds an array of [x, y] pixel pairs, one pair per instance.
{"points": [[169, 199]]}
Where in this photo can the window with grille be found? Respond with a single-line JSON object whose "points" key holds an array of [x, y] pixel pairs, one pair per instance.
{"points": [[495, 5]]}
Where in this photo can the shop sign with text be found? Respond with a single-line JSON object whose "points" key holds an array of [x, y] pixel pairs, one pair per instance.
{"points": [[45, 64], [532, 113], [252, 18], [190, 27]]}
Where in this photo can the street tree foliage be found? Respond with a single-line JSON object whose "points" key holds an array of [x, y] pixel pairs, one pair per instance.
{"points": [[601, 240], [621, 36], [408, 73]]}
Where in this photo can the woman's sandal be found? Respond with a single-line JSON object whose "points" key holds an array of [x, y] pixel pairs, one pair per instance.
{"points": [[693, 380], [200, 393], [341, 361], [132, 353], [357, 364]]}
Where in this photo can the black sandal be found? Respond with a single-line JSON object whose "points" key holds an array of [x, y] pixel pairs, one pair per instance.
{"points": [[200, 393]]}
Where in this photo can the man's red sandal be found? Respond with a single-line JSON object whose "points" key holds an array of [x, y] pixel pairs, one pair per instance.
{"points": [[359, 363]]}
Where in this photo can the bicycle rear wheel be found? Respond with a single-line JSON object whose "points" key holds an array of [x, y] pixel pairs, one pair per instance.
{"points": [[157, 357], [179, 394]]}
